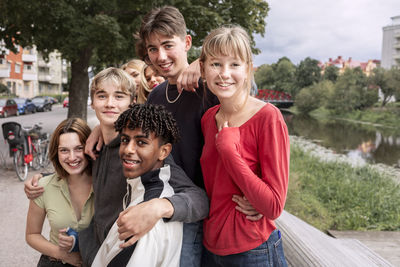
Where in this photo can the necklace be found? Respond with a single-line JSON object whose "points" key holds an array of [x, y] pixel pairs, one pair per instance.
{"points": [[166, 95]]}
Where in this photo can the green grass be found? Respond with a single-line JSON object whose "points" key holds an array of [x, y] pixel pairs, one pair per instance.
{"points": [[338, 196]]}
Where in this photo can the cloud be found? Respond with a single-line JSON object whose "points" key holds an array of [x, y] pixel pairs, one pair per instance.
{"points": [[322, 29]]}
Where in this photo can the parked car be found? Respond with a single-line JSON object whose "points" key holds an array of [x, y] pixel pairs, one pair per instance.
{"points": [[66, 102], [42, 103], [53, 100], [8, 107], [25, 105]]}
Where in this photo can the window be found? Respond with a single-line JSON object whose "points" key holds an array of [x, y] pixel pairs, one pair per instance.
{"points": [[17, 68], [27, 67]]}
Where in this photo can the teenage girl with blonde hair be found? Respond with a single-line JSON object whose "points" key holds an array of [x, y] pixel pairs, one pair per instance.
{"points": [[149, 79], [246, 153], [133, 68]]}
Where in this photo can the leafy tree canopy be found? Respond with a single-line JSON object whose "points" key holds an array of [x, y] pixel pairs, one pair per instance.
{"points": [[100, 32], [308, 72]]}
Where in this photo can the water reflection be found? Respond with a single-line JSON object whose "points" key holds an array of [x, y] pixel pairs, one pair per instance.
{"points": [[368, 144]]}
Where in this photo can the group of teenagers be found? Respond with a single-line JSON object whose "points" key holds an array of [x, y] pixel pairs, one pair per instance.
{"points": [[177, 177]]}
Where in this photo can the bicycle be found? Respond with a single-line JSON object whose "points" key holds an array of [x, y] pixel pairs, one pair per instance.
{"points": [[28, 147]]}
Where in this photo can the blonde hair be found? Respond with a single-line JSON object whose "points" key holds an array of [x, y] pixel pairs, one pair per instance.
{"points": [[71, 125], [136, 64], [226, 41], [119, 77], [143, 90]]}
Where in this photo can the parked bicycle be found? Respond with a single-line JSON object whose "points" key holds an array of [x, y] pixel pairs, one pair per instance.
{"points": [[28, 147]]}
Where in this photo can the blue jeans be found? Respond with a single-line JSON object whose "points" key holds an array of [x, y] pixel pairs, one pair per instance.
{"points": [[269, 253], [192, 244]]}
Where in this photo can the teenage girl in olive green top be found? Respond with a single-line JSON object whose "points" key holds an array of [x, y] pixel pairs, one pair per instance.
{"points": [[67, 200]]}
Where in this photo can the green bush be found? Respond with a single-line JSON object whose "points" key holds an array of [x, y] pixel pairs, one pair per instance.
{"points": [[314, 96]]}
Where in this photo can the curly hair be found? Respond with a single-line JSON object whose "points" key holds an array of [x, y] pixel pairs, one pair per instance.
{"points": [[149, 118]]}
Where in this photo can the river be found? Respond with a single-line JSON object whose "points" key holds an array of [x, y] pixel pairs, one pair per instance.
{"points": [[365, 143]]}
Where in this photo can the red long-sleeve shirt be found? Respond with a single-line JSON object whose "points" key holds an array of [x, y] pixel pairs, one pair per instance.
{"points": [[250, 160]]}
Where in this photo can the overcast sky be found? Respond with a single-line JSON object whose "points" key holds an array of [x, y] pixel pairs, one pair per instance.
{"points": [[323, 29]]}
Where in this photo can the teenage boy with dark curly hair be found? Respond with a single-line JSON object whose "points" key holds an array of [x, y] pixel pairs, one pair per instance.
{"points": [[147, 133]]}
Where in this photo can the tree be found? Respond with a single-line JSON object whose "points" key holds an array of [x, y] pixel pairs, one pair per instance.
{"points": [[331, 73], [380, 77], [265, 77], [278, 76], [99, 33], [314, 96], [351, 92], [394, 82], [4, 89], [307, 73], [284, 71]]}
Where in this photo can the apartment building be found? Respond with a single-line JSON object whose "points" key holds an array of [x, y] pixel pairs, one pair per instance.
{"points": [[391, 44], [343, 64], [27, 74]]}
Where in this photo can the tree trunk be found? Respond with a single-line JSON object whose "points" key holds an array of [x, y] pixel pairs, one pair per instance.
{"points": [[79, 88]]}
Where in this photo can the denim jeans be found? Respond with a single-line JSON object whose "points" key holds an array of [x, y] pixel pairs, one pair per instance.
{"points": [[192, 244], [269, 253]]}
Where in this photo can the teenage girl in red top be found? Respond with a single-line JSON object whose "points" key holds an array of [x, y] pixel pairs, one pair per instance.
{"points": [[246, 153]]}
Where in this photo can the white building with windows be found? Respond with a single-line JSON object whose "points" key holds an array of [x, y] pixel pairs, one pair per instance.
{"points": [[391, 44]]}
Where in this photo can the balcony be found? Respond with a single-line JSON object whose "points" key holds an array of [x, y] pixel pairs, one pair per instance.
{"points": [[44, 77], [42, 63], [64, 80], [5, 73], [396, 45], [29, 58], [29, 77]]}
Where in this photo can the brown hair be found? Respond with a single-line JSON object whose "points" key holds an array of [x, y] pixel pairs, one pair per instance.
{"points": [[226, 41], [119, 77], [166, 20], [71, 125]]}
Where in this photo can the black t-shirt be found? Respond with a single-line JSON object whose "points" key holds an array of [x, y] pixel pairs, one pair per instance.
{"points": [[187, 111]]}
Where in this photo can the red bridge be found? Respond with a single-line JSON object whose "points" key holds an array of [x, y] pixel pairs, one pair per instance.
{"points": [[279, 99]]}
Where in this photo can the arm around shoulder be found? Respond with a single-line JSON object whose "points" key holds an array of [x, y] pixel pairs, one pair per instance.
{"points": [[190, 202]]}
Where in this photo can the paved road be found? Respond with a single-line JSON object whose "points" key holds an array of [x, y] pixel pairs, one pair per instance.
{"points": [[13, 208]]}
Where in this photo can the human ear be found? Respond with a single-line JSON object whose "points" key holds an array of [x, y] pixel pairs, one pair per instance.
{"points": [[188, 42], [164, 151]]}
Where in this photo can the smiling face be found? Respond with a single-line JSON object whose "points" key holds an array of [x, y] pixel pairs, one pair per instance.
{"points": [[141, 153], [71, 154], [168, 55], [152, 78], [109, 101], [225, 75]]}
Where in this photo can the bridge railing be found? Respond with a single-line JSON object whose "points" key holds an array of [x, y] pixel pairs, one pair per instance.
{"points": [[268, 94]]}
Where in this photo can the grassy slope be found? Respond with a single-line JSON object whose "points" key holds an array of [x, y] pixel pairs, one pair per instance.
{"points": [[338, 196]]}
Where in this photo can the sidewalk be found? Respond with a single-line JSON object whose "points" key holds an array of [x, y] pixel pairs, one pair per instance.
{"points": [[13, 209]]}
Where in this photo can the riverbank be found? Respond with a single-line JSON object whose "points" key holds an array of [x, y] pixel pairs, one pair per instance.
{"points": [[384, 117], [328, 192]]}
